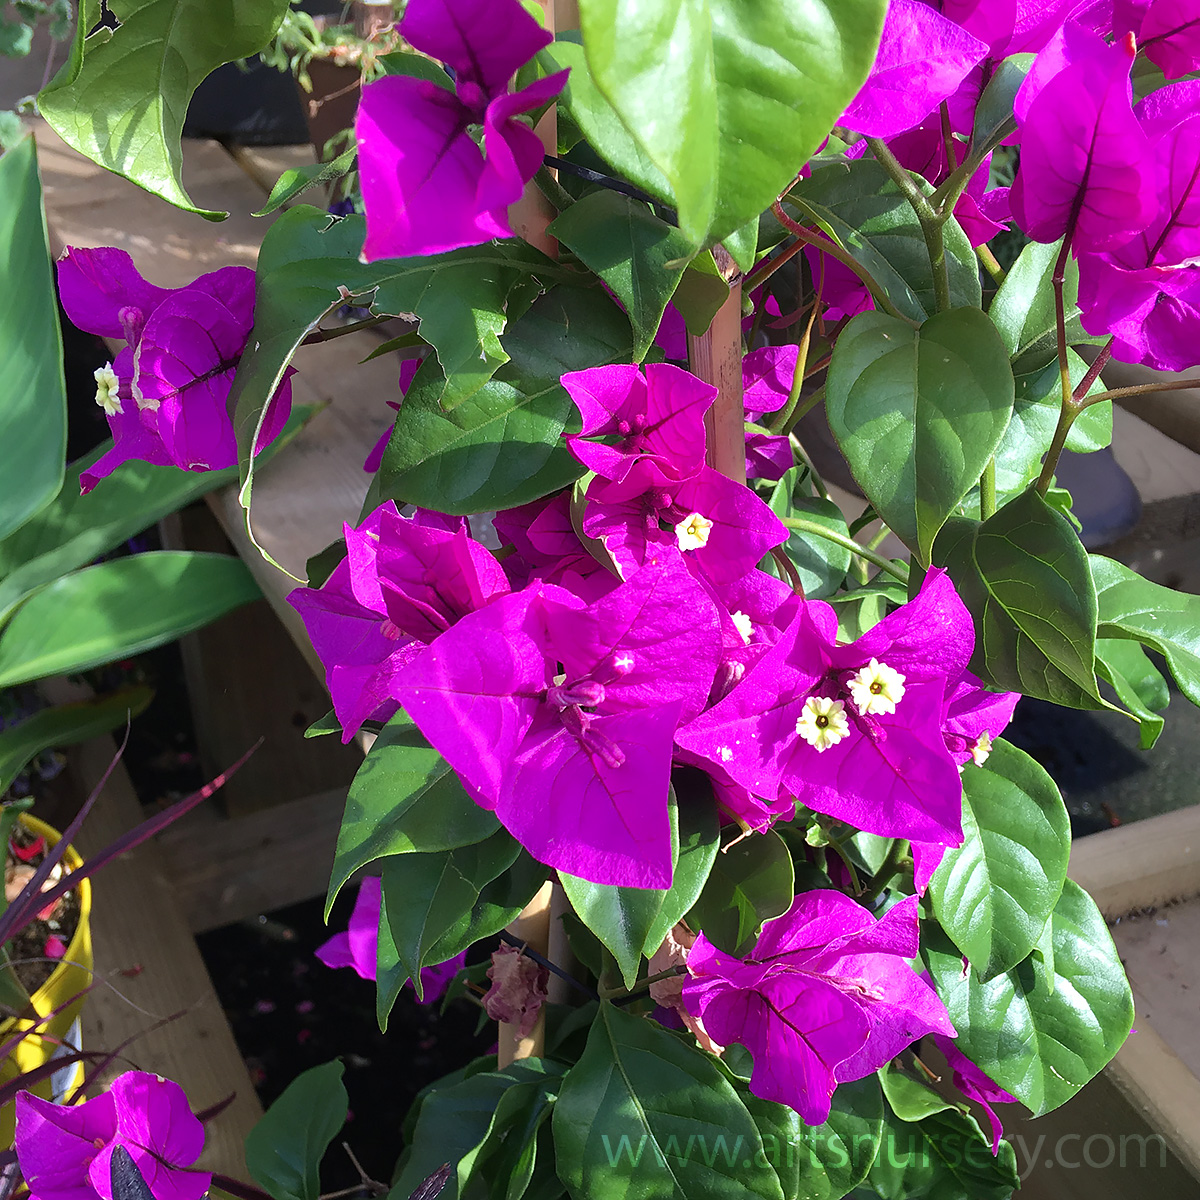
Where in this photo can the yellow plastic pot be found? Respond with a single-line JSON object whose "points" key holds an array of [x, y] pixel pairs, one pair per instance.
{"points": [[64, 988]]}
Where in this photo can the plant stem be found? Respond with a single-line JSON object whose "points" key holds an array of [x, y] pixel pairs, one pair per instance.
{"points": [[1069, 410], [987, 490], [890, 867], [803, 525], [991, 264], [765, 269], [552, 189], [813, 401], [624, 994], [1138, 389], [847, 260], [1093, 372]]}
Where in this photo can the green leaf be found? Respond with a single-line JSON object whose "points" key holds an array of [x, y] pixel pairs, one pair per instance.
{"points": [[994, 112], [503, 447], [1023, 310], [500, 902], [699, 840], [918, 413], [750, 882], [1159, 617], [405, 799], [427, 894], [700, 294], [943, 1157], [598, 120], [728, 98], [308, 266], [324, 725], [863, 208], [119, 608], [1137, 683], [454, 1122], [1024, 576], [33, 416], [295, 181], [66, 725], [1041, 1031], [645, 1114], [637, 254], [909, 1098], [994, 894], [122, 100], [401, 62], [284, 1150], [821, 564]]}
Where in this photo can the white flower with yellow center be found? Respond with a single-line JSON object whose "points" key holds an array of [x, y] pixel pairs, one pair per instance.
{"points": [[981, 749], [743, 625], [692, 533], [823, 722], [106, 389], [877, 688]]}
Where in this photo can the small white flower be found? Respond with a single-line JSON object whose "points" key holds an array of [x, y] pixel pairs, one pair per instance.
{"points": [[823, 722], [106, 389], [877, 688], [743, 625], [692, 533], [981, 749]]}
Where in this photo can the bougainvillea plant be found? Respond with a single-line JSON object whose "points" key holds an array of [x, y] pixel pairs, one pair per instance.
{"points": [[726, 764]]}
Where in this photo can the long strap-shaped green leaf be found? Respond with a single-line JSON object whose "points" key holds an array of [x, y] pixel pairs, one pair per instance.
{"points": [[119, 608]]}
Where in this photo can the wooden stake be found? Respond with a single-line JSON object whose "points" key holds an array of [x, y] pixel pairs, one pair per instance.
{"points": [[716, 357]]}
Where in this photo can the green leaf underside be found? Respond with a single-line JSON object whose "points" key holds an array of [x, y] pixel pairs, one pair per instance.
{"points": [[1138, 684], [405, 799], [122, 97], [1041, 1030], [119, 608], [1024, 576], [33, 415], [754, 89], [918, 413], [994, 894]]}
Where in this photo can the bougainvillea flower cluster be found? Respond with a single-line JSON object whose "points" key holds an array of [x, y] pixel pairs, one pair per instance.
{"points": [[427, 184], [165, 393], [65, 1152]]}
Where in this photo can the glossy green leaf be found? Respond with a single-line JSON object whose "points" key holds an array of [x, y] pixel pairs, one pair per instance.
{"points": [[699, 840], [1041, 1032], [308, 266], [295, 181], [644, 1114], [405, 799], [119, 608], [700, 293], [1023, 310], [863, 208], [945, 1156], [820, 563], [427, 894], [1024, 576], [284, 1150], [66, 725], [637, 254], [503, 447], [1136, 681], [122, 97], [598, 121], [454, 1122], [994, 894], [33, 415], [918, 413], [728, 98], [994, 112], [1159, 617], [1035, 416], [750, 882], [500, 902]]}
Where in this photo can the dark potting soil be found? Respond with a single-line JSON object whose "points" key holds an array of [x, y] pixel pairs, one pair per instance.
{"points": [[290, 1012]]}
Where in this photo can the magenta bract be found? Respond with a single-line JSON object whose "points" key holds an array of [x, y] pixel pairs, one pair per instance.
{"points": [[825, 997]]}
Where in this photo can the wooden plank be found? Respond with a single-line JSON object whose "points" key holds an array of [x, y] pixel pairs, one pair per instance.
{"points": [[246, 680], [225, 870], [137, 922]]}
